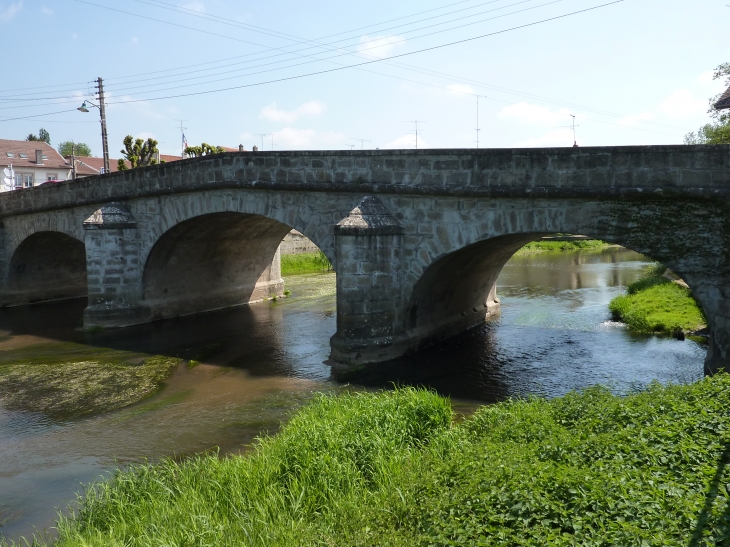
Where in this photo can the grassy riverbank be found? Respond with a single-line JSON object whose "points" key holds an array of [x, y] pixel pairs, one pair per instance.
{"points": [[565, 245], [305, 263], [396, 469], [655, 304], [66, 380]]}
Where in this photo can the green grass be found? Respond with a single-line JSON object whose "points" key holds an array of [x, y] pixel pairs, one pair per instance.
{"points": [[557, 245], [305, 263], [655, 304], [396, 469]]}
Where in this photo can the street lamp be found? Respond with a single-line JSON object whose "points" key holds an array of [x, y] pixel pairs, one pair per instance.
{"points": [[102, 112]]}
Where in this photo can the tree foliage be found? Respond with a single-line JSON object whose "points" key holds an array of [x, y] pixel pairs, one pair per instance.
{"points": [[43, 136], [71, 148], [138, 152], [717, 131], [204, 149]]}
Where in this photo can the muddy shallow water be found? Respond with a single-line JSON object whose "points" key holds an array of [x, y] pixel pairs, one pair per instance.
{"points": [[259, 363]]}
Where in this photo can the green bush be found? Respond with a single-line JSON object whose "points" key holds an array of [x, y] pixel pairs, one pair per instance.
{"points": [[558, 245], [655, 304], [305, 263], [393, 469]]}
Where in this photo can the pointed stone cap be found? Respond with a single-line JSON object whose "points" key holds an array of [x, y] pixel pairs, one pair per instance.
{"points": [[370, 217], [111, 216]]}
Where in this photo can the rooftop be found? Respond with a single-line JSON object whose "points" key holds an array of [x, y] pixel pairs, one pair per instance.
{"points": [[22, 154], [724, 101]]}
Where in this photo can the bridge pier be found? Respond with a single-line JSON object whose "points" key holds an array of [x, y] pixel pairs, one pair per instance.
{"points": [[369, 278], [113, 269]]}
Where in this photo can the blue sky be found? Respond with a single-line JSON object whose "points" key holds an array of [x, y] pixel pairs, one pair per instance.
{"points": [[632, 72]]}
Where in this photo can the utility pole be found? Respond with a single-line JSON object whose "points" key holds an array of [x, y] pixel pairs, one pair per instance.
{"points": [[478, 97], [262, 135], [352, 146], [272, 140], [102, 110], [415, 122], [575, 142], [183, 140], [362, 142]]}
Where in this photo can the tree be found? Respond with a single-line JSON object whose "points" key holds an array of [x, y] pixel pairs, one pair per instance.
{"points": [[203, 150], [717, 131], [43, 136], [71, 148], [139, 153]]}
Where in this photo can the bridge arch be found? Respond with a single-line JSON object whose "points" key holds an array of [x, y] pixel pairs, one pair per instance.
{"points": [[159, 216], [212, 261], [47, 265]]}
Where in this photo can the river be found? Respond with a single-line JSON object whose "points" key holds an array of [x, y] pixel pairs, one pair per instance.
{"points": [[260, 362]]}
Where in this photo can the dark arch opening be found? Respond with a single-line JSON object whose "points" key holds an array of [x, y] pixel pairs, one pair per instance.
{"points": [[48, 266], [211, 262], [457, 291]]}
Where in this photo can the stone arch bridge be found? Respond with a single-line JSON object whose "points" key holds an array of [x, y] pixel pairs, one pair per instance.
{"points": [[417, 238]]}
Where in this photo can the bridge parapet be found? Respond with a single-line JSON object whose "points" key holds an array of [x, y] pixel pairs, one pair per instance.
{"points": [[618, 172]]}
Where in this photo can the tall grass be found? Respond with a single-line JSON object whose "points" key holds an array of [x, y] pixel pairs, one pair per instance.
{"points": [[305, 263], [392, 469], [655, 304]]}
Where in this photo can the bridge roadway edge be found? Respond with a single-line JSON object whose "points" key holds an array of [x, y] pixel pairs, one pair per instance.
{"points": [[618, 193]]}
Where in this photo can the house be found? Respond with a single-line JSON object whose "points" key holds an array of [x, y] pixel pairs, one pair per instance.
{"points": [[724, 101], [86, 166], [33, 162]]}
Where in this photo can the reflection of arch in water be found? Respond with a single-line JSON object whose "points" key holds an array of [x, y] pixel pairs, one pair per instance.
{"points": [[213, 261], [47, 266], [458, 291]]}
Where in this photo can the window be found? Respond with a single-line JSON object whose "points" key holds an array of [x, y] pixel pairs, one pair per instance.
{"points": [[18, 181], [10, 154], [24, 156], [28, 180], [51, 176], [44, 157]]}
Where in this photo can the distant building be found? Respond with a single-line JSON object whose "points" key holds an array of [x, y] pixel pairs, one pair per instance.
{"points": [[34, 162], [724, 101], [85, 166]]}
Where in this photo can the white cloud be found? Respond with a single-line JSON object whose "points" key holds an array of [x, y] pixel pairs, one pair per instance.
{"points": [[144, 136], [682, 104], [292, 138], [46, 11], [461, 89], [134, 40], [407, 141], [558, 137], [273, 113], [536, 114], [706, 77], [633, 121], [195, 6], [379, 47], [74, 36], [6, 14]]}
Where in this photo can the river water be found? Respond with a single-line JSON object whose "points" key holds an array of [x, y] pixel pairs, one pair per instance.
{"points": [[261, 362]]}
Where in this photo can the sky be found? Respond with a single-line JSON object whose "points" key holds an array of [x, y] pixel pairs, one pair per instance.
{"points": [[342, 75]]}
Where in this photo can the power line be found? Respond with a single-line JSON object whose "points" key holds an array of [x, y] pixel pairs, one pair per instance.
{"points": [[372, 61], [313, 58]]}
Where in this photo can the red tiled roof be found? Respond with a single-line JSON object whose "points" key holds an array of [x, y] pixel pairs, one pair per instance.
{"points": [[724, 101], [167, 158], [92, 166], [53, 160]]}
